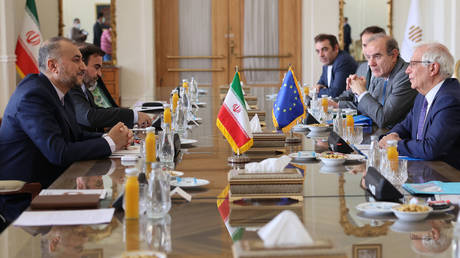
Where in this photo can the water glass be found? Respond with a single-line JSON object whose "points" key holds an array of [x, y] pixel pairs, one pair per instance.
{"points": [[396, 178], [158, 198]]}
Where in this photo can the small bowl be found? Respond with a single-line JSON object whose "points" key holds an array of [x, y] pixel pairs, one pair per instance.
{"points": [[317, 128], [411, 215], [332, 161]]}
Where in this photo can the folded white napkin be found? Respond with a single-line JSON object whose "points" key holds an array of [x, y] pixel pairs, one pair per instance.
{"points": [[268, 165], [285, 230], [255, 124]]}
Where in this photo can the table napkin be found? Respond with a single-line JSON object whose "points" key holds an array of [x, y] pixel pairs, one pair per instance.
{"points": [[285, 230], [255, 124], [268, 165]]}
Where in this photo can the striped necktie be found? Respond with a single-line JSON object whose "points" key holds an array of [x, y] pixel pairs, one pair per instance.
{"points": [[384, 91], [421, 119]]}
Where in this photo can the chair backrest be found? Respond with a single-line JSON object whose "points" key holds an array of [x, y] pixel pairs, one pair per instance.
{"points": [[457, 70]]}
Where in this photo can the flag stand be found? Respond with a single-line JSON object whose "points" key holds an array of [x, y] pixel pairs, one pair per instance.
{"points": [[238, 158], [291, 138]]}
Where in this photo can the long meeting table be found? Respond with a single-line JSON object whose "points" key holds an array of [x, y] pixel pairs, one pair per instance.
{"points": [[205, 228]]}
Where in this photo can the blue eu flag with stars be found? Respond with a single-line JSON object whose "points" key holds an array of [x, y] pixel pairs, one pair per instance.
{"points": [[288, 108]]}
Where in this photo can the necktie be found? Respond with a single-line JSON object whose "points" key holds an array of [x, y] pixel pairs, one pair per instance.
{"points": [[421, 119], [368, 78], [384, 91]]}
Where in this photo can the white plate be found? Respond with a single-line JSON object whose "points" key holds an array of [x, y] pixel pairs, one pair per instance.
{"points": [[189, 182], [451, 207], [175, 173], [356, 157], [376, 207], [303, 155], [187, 141], [317, 128], [201, 104]]}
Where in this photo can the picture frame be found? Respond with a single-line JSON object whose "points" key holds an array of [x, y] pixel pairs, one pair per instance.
{"points": [[367, 251], [105, 9]]}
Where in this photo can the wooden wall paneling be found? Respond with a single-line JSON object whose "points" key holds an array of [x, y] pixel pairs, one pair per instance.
{"points": [[235, 30], [290, 35], [220, 40], [166, 42]]}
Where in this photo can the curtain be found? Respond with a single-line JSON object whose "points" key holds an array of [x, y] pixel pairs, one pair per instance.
{"points": [[261, 38], [195, 38]]}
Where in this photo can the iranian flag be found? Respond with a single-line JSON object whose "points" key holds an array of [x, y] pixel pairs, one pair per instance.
{"points": [[233, 120], [28, 42]]}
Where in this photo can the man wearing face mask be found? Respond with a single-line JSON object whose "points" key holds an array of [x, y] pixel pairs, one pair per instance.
{"points": [[89, 115], [77, 33]]}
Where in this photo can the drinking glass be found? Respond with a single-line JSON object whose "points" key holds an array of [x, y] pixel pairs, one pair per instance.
{"points": [[158, 198]]}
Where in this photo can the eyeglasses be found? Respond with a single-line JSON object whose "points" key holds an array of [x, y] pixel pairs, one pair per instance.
{"points": [[414, 62]]}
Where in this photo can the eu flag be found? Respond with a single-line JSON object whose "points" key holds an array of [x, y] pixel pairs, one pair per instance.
{"points": [[288, 107]]}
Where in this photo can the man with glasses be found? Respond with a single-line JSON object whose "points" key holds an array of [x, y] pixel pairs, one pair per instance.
{"points": [[431, 129], [389, 96]]}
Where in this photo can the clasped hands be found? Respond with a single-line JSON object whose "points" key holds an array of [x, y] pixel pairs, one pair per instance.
{"points": [[121, 136], [357, 84]]}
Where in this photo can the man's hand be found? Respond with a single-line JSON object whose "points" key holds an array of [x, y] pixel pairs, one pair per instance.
{"points": [[317, 87], [391, 136], [121, 135], [356, 84], [332, 103], [143, 120]]}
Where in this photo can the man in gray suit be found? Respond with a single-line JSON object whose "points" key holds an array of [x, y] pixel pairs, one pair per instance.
{"points": [[90, 116], [389, 97], [347, 99]]}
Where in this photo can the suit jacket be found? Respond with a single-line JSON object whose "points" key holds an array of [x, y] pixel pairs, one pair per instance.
{"points": [[39, 137], [347, 34], [342, 66], [94, 118], [399, 98], [347, 98], [97, 33], [441, 137]]}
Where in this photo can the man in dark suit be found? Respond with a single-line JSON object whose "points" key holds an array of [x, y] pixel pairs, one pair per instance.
{"points": [[389, 97], [337, 66], [97, 29], [89, 115], [346, 35], [431, 129], [39, 135]]}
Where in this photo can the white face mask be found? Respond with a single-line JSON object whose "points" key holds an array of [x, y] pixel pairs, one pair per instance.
{"points": [[77, 25]]}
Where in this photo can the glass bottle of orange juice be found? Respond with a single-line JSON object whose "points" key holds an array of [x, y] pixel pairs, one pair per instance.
{"points": [[167, 115], [324, 103], [150, 145], [174, 100], [131, 196], [392, 154]]}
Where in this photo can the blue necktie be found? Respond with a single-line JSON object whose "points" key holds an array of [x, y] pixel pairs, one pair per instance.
{"points": [[384, 91], [421, 119]]}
